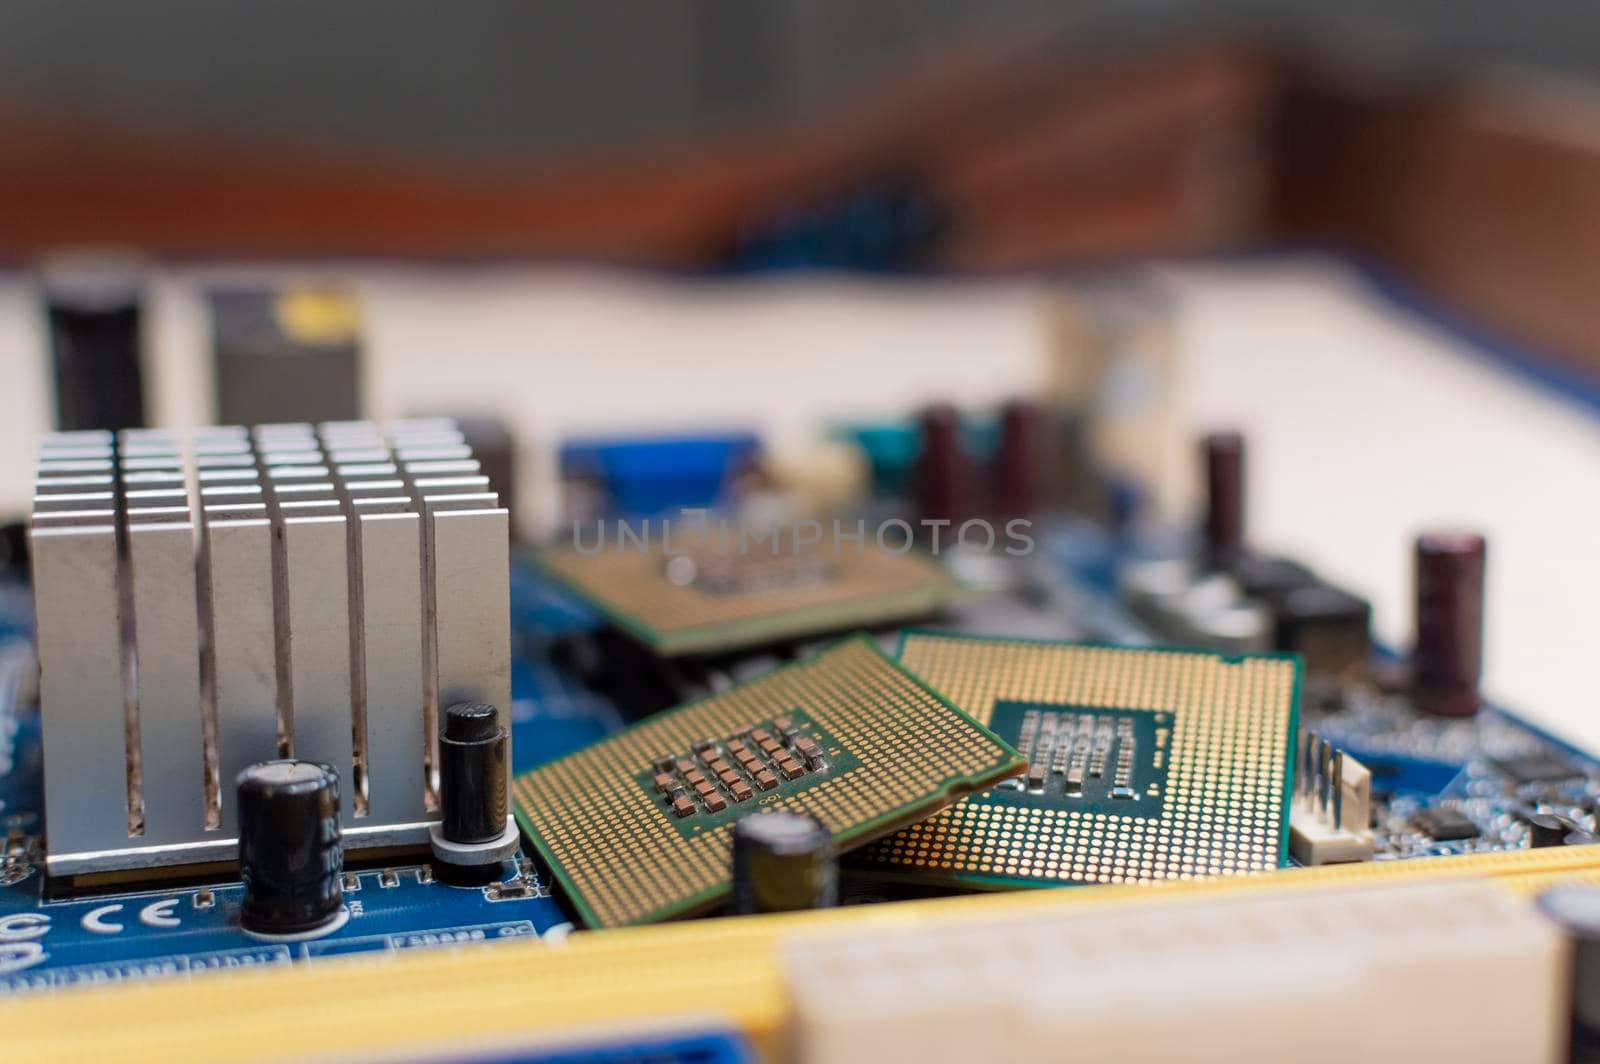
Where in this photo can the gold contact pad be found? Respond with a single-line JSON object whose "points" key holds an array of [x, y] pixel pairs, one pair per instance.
{"points": [[1224, 807], [625, 862]]}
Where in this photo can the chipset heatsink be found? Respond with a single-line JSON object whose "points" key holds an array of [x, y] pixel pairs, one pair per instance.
{"points": [[1143, 764]]}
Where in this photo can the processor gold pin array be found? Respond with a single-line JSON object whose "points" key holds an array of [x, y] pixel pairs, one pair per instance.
{"points": [[638, 827], [1143, 765]]}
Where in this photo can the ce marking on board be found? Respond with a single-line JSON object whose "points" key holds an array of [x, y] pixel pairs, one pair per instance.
{"points": [[19, 945], [21, 933], [157, 914]]}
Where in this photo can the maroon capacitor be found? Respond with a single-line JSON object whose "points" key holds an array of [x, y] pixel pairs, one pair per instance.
{"points": [[1223, 457], [945, 478], [1019, 460], [1448, 660]]}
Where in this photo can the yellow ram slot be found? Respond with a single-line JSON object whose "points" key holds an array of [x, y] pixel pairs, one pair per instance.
{"points": [[710, 973]]}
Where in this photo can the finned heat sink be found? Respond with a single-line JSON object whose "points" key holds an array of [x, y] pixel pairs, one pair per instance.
{"points": [[307, 590]]}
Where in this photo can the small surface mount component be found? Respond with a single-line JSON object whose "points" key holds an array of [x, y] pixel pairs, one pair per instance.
{"points": [[781, 758], [1113, 762], [1143, 764], [1330, 821], [638, 827], [1537, 768], [1443, 824], [748, 589]]}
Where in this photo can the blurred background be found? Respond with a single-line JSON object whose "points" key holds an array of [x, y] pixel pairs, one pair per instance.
{"points": [[1453, 141], [1366, 233]]}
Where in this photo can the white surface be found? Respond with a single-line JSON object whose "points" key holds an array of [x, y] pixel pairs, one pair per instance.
{"points": [[1365, 424], [25, 393], [1258, 976]]}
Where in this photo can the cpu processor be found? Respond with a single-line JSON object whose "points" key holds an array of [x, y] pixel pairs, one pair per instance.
{"points": [[741, 590], [1143, 764], [638, 827]]}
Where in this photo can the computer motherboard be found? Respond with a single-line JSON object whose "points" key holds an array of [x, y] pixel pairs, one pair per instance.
{"points": [[281, 694]]}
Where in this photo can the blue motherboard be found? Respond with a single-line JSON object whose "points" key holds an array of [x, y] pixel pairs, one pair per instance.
{"points": [[104, 937], [1491, 772]]}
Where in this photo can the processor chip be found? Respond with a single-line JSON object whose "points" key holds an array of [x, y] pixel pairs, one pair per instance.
{"points": [[638, 827], [1143, 764], [742, 590]]}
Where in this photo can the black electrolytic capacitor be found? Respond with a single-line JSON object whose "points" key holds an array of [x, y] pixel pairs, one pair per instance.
{"points": [[783, 861], [14, 550], [95, 333], [1223, 528], [472, 773], [1575, 909], [1448, 661], [1546, 829], [291, 855]]}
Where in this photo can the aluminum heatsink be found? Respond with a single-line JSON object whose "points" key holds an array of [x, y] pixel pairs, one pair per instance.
{"points": [[315, 591]]}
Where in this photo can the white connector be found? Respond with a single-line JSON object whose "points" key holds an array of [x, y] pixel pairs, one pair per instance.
{"points": [[1330, 817], [1311, 976]]}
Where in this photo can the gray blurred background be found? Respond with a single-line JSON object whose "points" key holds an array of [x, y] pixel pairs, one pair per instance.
{"points": [[489, 78]]}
